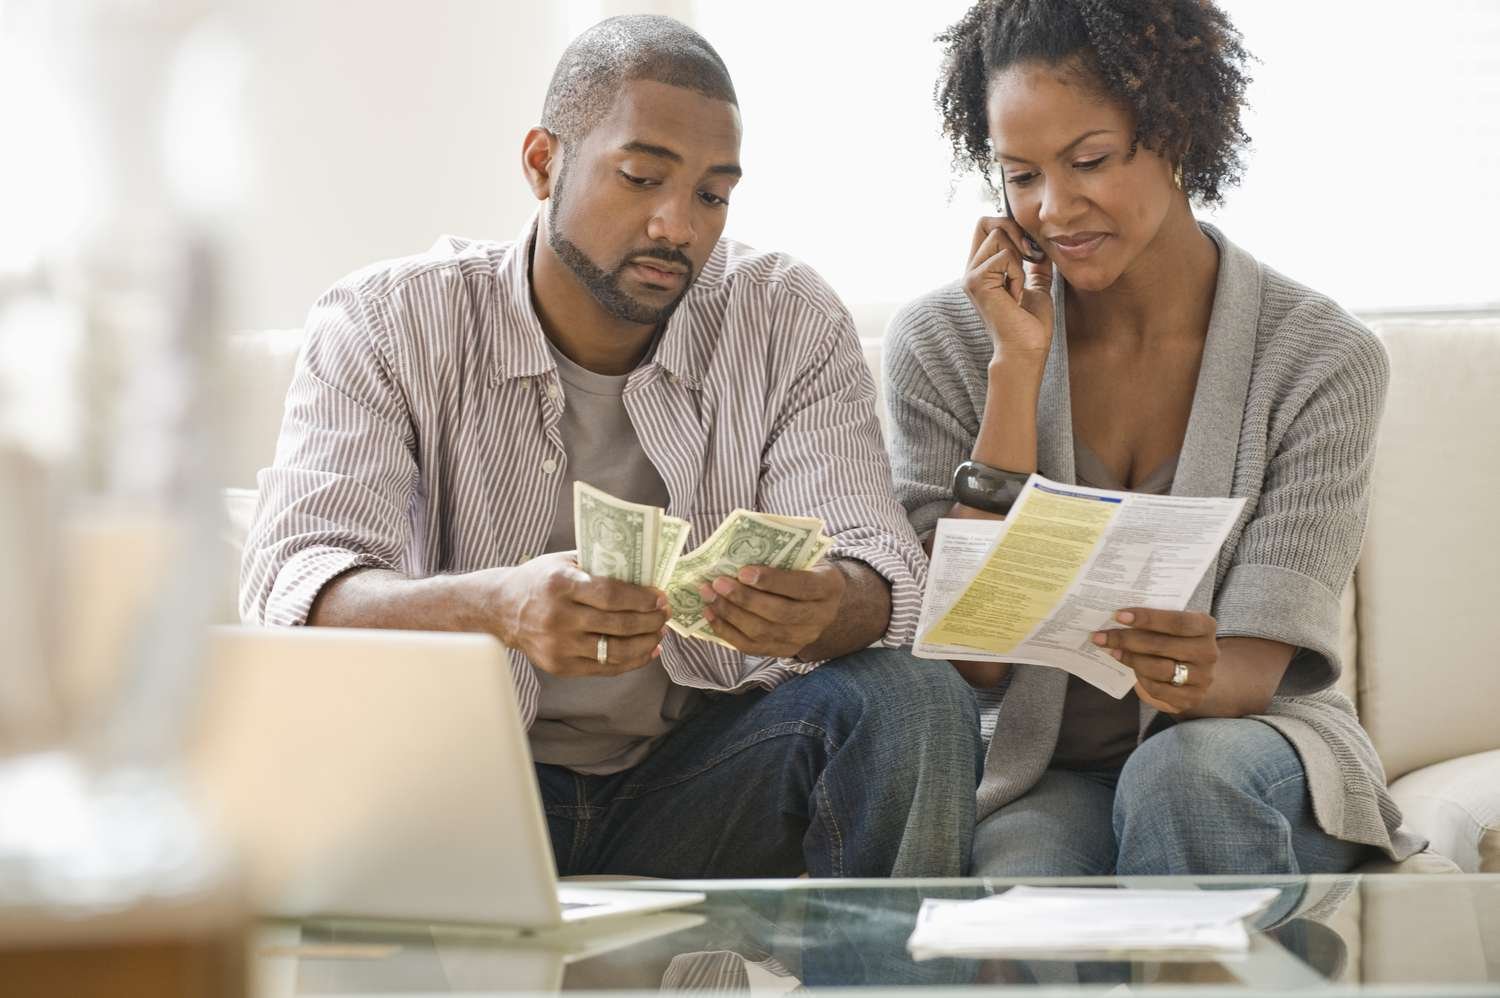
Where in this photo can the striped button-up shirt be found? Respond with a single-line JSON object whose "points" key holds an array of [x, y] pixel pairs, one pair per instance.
{"points": [[421, 435]]}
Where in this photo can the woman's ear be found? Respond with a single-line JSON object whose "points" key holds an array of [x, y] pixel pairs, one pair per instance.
{"points": [[541, 155]]}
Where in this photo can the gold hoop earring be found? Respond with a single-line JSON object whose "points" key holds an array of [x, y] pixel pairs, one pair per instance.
{"points": [[1177, 177]]}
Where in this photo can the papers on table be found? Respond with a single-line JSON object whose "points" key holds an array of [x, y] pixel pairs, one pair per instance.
{"points": [[1080, 922], [1034, 587]]}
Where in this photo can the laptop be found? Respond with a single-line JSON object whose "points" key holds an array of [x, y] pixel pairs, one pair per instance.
{"points": [[379, 774]]}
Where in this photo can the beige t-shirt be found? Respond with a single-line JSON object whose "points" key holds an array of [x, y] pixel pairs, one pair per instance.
{"points": [[602, 724], [1097, 730]]}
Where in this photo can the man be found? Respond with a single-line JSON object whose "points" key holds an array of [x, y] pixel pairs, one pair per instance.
{"points": [[444, 405]]}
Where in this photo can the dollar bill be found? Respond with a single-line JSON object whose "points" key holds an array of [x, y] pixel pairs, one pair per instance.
{"points": [[704, 631], [744, 538], [642, 545], [810, 554], [670, 541], [820, 551], [615, 539]]}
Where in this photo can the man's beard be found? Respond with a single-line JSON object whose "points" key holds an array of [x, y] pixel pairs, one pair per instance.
{"points": [[605, 286]]}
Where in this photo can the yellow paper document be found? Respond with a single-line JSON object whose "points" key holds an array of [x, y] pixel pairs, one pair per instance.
{"points": [[1032, 589], [1049, 540]]}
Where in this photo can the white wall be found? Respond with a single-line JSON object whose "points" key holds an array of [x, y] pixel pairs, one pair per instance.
{"points": [[844, 163], [1376, 130], [1372, 175], [376, 126], [371, 127]]}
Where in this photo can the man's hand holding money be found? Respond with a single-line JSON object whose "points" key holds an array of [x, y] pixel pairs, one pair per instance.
{"points": [[556, 613], [758, 584], [773, 611]]}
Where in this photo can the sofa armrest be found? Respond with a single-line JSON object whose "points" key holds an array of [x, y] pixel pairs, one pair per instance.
{"points": [[1456, 805]]}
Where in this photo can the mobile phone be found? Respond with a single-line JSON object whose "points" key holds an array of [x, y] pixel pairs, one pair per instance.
{"points": [[1030, 248]]}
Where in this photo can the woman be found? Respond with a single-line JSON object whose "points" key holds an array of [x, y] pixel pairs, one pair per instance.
{"points": [[1101, 335]]}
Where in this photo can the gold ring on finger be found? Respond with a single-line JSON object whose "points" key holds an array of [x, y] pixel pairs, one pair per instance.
{"points": [[1179, 673], [601, 651]]}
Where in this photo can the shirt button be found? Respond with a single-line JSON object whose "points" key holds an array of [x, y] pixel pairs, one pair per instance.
{"points": [[549, 465], [551, 390], [674, 379]]}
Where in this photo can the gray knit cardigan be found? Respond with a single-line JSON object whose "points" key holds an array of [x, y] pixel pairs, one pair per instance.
{"points": [[1288, 401]]}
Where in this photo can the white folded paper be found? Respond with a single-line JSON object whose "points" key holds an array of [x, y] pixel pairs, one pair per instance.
{"points": [[1034, 587], [1088, 923]]}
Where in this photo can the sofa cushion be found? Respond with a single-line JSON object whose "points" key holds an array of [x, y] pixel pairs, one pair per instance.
{"points": [[259, 369], [1348, 682], [1427, 579], [1456, 804], [1426, 861], [239, 511]]}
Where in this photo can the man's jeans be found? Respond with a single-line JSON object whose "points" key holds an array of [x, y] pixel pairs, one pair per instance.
{"points": [[866, 767], [1207, 796]]}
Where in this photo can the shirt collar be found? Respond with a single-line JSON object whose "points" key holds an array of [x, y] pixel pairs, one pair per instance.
{"points": [[522, 351]]}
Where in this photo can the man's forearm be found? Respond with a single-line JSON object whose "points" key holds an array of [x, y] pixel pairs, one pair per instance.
{"points": [[380, 598], [864, 614], [373, 597]]}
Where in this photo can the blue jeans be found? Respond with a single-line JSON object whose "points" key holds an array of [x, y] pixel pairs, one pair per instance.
{"points": [[865, 767], [1202, 797]]}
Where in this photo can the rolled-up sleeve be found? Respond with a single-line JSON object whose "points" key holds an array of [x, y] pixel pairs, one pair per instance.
{"points": [[338, 494], [825, 457], [1299, 548]]}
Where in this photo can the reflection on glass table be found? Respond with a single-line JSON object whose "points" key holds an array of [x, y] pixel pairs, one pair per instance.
{"points": [[1416, 935]]}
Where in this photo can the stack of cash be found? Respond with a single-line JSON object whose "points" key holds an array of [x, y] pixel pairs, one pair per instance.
{"points": [[625, 540], [643, 545]]}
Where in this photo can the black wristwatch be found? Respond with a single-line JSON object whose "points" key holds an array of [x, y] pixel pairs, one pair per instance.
{"points": [[990, 489]]}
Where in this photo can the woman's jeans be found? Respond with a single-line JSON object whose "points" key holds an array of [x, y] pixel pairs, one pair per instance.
{"points": [[866, 767], [1207, 796]]}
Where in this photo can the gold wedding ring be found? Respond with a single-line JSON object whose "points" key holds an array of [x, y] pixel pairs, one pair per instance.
{"points": [[1179, 673], [601, 651]]}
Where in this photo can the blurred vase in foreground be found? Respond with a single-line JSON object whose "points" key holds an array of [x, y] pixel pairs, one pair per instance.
{"points": [[111, 563]]}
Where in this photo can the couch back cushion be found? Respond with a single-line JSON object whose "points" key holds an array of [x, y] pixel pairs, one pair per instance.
{"points": [[1348, 683], [1428, 581], [259, 366]]}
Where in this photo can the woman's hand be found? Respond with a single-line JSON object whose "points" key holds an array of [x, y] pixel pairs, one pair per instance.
{"points": [[1152, 645], [1012, 294]]}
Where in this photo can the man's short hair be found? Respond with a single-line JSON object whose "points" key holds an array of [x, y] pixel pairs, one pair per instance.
{"points": [[598, 63]]}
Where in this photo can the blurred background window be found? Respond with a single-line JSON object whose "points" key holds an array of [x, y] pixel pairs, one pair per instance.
{"points": [[1372, 175], [1376, 131]]}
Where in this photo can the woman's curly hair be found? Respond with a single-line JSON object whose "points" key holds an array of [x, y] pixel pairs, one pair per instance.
{"points": [[1179, 65]]}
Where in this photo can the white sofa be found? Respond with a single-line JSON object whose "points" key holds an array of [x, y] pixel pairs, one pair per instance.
{"points": [[1424, 678]]}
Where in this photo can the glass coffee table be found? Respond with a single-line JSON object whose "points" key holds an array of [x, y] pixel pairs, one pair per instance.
{"points": [[1388, 934]]}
